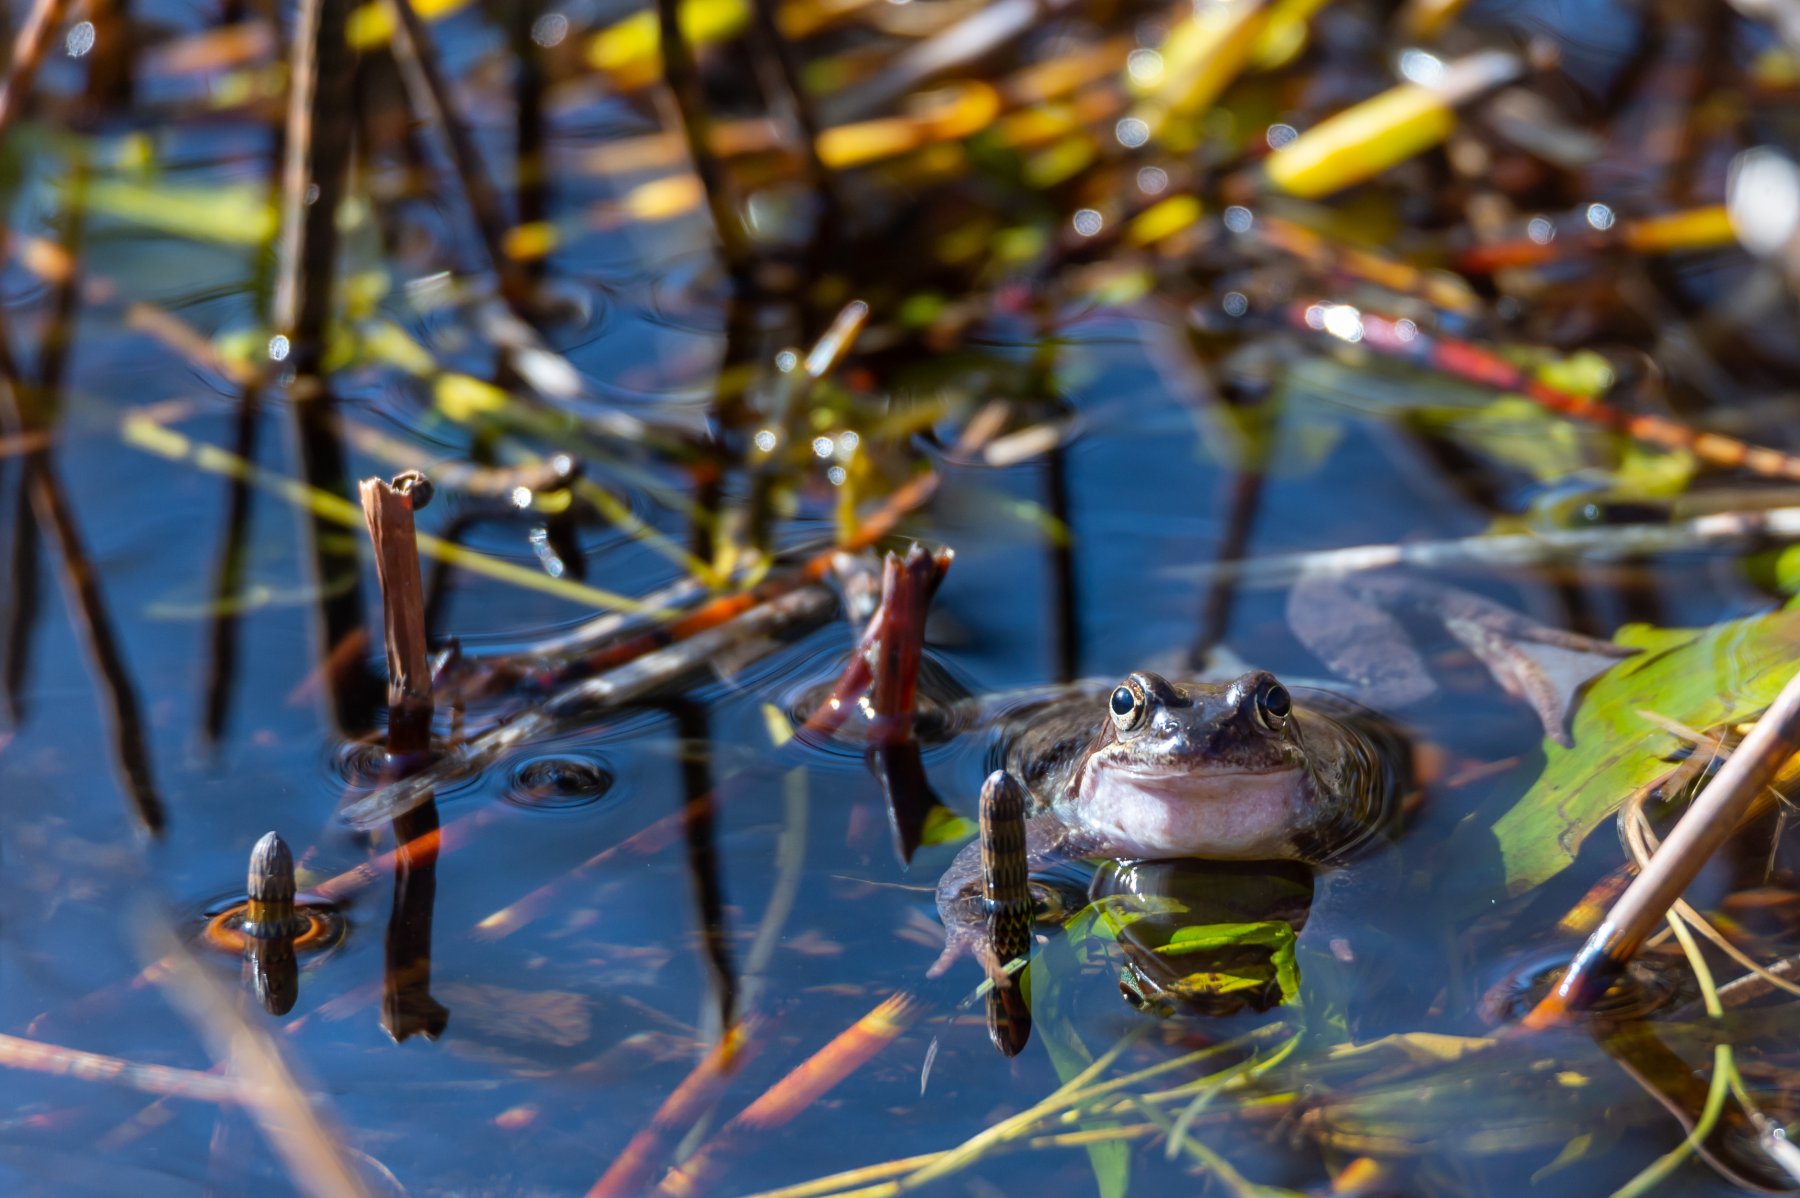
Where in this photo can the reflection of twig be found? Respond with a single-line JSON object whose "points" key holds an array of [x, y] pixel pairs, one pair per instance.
{"points": [[423, 75], [700, 811], [87, 608], [682, 72], [1708, 823]]}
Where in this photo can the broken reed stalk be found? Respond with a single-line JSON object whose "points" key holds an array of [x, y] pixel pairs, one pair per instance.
{"points": [[1708, 822], [894, 680], [29, 48], [271, 921], [1005, 889], [885, 664], [422, 71], [388, 512], [407, 1005]]}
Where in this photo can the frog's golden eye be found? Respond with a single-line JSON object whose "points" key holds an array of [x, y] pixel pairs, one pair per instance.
{"points": [[1273, 705], [1127, 706]]}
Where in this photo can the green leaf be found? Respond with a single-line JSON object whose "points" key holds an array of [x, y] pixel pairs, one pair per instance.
{"points": [[1045, 981], [944, 826], [1274, 934], [1699, 678], [229, 214]]}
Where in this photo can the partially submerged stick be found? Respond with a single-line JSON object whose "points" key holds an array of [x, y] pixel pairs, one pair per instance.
{"points": [[407, 1005], [611, 689], [1708, 823], [388, 512]]}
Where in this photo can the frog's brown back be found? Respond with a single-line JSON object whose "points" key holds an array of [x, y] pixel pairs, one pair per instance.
{"points": [[1043, 744], [1362, 767]]}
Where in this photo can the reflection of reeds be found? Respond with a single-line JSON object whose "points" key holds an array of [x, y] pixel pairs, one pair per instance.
{"points": [[682, 72], [26, 412], [429, 92], [33, 42]]}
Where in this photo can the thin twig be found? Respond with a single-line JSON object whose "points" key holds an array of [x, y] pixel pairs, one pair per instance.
{"points": [[1722, 530], [623, 685], [1707, 824], [17, 1052]]}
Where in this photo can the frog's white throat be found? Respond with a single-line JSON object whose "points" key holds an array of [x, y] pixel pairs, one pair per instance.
{"points": [[1222, 816]]}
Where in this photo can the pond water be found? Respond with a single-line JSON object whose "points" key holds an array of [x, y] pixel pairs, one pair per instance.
{"points": [[585, 944]]}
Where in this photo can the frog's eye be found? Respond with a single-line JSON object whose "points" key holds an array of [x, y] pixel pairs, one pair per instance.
{"points": [[1127, 706], [1273, 705]]}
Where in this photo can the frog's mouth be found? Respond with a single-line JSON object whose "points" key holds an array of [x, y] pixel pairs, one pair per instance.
{"points": [[1242, 815]]}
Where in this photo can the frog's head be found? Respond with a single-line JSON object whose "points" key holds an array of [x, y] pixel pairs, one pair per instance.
{"points": [[1202, 770]]}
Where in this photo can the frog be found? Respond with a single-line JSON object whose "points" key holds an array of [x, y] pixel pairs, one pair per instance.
{"points": [[1153, 768]]}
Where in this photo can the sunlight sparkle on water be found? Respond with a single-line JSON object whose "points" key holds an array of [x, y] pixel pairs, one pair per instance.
{"points": [[1131, 132], [1088, 222], [1763, 200], [1342, 321], [1145, 67], [550, 29], [1421, 67]]}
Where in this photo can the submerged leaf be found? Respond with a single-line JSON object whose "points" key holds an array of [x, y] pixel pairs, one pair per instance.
{"points": [[1697, 678]]}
